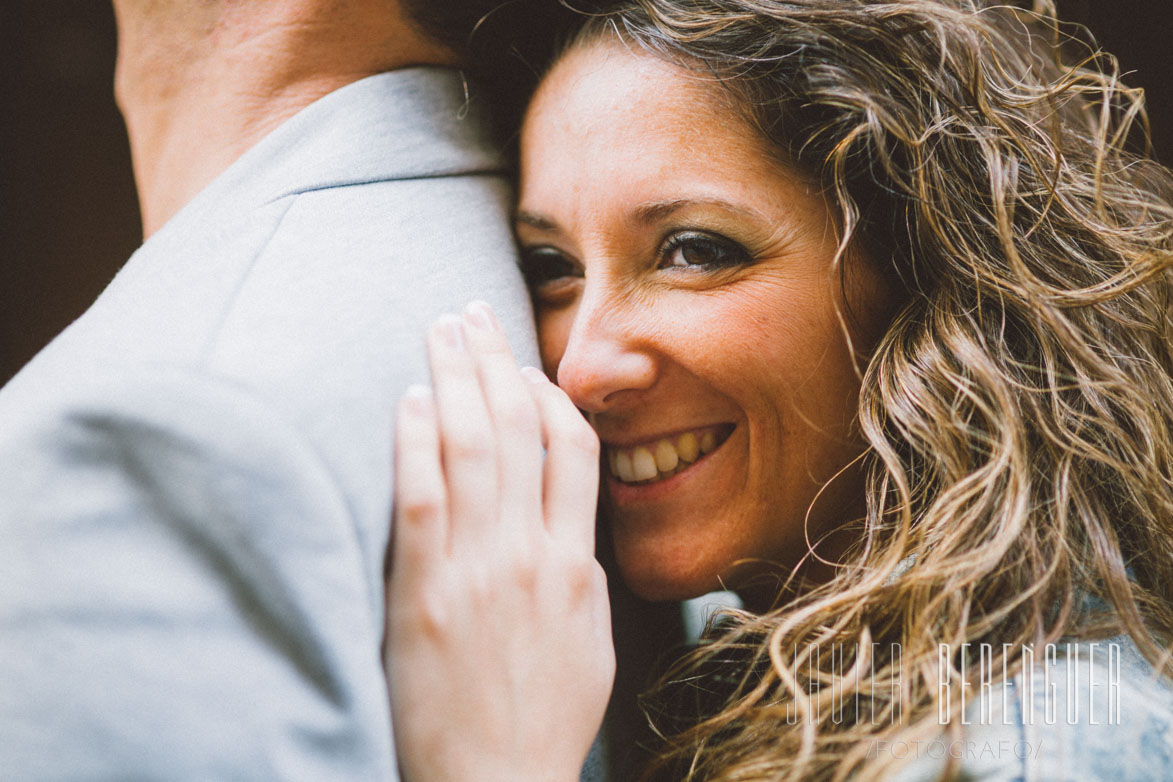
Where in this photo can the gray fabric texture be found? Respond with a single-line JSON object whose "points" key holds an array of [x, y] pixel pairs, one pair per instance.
{"points": [[1091, 712], [195, 477]]}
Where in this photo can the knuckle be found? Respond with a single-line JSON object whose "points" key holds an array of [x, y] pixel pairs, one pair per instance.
{"points": [[598, 577], [433, 614], [428, 615], [481, 584], [470, 447], [420, 510], [584, 577], [517, 418], [524, 568], [580, 436], [479, 588]]}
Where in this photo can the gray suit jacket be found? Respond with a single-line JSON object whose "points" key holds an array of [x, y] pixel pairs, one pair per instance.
{"points": [[195, 477]]}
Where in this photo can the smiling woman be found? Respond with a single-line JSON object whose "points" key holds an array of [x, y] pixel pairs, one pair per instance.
{"points": [[868, 305], [688, 300]]}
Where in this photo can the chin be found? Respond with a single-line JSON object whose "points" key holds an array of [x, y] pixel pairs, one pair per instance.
{"points": [[660, 577]]}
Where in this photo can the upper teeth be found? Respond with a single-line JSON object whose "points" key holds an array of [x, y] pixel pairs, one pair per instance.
{"points": [[658, 460]]}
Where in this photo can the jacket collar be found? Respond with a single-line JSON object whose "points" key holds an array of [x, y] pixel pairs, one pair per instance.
{"points": [[405, 124]]}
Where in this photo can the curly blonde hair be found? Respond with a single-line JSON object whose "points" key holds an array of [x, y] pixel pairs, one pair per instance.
{"points": [[1018, 412]]}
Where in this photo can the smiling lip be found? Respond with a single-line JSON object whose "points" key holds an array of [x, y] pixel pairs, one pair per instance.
{"points": [[651, 468]]}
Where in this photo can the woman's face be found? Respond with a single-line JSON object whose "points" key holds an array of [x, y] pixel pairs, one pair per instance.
{"points": [[686, 301]]}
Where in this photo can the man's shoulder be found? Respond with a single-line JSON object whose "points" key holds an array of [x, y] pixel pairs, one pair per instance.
{"points": [[308, 277], [172, 550], [341, 292], [314, 306], [141, 406], [190, 445], [431, 221]]}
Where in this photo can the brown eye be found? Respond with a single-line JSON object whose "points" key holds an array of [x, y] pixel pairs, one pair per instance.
{"points": [[702, 251], [547, 270]]}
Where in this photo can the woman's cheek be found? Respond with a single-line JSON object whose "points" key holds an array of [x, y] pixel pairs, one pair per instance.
{"points": [[760, 325], [553, 336]]}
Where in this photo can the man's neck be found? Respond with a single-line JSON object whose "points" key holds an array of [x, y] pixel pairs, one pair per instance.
{"points": [[200, 83]]}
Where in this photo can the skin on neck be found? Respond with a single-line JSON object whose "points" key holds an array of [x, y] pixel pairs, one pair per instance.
{"points": [[199, 83]]}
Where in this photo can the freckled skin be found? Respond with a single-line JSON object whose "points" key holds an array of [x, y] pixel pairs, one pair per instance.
{"points": [[645, 348]]}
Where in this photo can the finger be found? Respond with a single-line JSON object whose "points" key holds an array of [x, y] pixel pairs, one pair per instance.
{"points": [[420, 528], [467, 444], [514, 417], [571, 482]]}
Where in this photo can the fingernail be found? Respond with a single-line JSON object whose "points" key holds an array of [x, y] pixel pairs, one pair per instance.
{"points": [[534, 375], [451, 333], [418, 399], [479, 314]]}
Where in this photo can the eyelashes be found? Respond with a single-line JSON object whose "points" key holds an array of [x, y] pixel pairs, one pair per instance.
{"points": [[550, 272], [702, 250]]}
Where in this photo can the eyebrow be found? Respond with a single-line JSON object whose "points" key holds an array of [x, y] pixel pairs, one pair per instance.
{"points": [[535, 220], [657, 211], [647, 214]]}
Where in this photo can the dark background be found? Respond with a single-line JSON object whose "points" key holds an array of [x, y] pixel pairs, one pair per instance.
{"points": [[68, 215]]}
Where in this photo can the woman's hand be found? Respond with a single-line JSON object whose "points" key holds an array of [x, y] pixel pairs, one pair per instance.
{"points": [[498, 653]]}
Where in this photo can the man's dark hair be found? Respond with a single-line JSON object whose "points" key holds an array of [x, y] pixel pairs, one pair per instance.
{"points": [[473, 28], [504, 45], [450, 22]]}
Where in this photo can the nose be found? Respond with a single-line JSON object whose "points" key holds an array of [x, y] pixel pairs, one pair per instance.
{"points": [[608, 359]]}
